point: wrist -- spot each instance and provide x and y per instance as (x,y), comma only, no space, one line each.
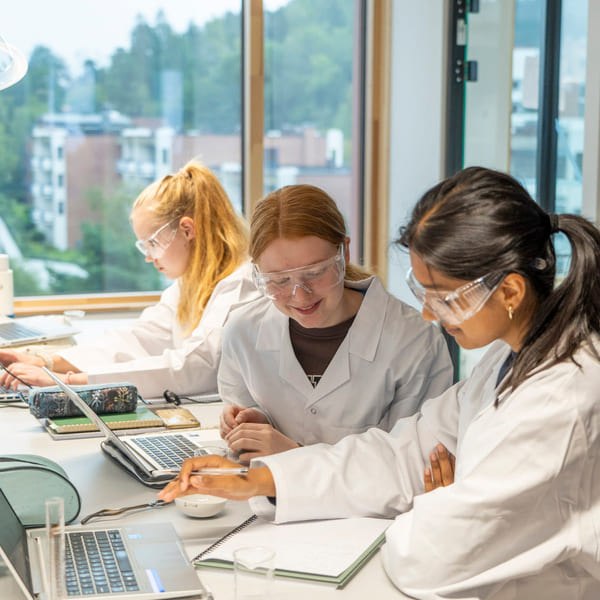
(262,481)
(45,360)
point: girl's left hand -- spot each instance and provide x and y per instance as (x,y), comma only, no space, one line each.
(441,472)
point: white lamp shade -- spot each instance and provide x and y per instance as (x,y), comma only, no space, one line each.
(13,65)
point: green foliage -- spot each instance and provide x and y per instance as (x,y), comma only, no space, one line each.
(25,283)
(108,251)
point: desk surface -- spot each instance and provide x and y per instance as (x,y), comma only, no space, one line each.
(102,484)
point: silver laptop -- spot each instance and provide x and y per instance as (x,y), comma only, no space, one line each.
(156,457)
(144,562)
(30,330)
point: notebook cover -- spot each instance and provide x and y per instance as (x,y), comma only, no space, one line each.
(331,534)
(142,417)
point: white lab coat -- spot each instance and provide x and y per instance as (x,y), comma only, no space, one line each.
(153,355)
(522,519)
(389,362)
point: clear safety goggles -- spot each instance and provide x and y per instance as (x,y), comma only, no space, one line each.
(454,307)
(152,247)
(318,277)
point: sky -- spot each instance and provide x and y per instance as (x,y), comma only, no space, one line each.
(81,29)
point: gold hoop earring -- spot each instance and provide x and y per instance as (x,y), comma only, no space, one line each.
(510,312)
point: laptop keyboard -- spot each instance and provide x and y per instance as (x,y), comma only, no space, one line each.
(97,563)
(168,451)
(16,331)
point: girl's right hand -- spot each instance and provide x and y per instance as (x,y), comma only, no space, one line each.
(227,420)
(29,374)
(232,416)
(258,482)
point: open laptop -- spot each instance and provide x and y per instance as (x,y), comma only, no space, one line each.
(145,562)
(31,330)
(154,459)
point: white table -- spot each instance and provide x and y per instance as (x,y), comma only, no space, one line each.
(103,484)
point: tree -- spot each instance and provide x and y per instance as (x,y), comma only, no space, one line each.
(108,251)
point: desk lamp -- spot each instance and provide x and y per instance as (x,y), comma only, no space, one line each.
(13,65)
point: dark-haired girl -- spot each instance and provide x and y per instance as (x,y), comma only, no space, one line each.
(522,518)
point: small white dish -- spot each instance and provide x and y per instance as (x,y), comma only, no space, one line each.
(200,505)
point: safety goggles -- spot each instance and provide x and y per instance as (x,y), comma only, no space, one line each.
(318,277)
(454,307)
(152,247)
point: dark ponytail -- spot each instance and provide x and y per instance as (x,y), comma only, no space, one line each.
(481,221)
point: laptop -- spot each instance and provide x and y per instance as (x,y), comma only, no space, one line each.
(31,330)
(145,562)
(154,459)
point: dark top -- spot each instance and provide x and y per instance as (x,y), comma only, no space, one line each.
(505,368)
(315,347)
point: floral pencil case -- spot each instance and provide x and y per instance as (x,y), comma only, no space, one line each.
(103,399)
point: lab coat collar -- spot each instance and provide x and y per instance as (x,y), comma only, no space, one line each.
(362,340)
(366,331)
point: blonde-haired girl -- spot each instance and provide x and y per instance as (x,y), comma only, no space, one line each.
(187,227)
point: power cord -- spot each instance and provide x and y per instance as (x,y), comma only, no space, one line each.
(176,399)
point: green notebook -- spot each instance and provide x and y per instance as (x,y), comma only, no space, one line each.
(330,551)
(142,417)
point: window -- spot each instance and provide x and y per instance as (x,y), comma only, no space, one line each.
(97,118)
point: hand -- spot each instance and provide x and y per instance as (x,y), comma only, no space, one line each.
(258,482)
(8,357)
(251,440)
(28,373)
(441,472)
(233,415)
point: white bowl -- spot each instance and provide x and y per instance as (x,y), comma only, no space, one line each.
(200,505)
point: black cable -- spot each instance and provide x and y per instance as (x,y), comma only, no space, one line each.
(176,399)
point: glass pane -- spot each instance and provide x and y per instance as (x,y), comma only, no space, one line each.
(311,93)
(569,125)
(111,102)
(525,101)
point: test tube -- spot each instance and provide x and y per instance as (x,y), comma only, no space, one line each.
(55,530)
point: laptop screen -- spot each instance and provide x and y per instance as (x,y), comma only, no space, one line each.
(13,540)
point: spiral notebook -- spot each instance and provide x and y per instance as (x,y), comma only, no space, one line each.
(330,551)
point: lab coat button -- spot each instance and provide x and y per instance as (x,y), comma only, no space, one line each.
(313,410)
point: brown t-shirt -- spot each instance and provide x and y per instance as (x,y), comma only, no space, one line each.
(314,348)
